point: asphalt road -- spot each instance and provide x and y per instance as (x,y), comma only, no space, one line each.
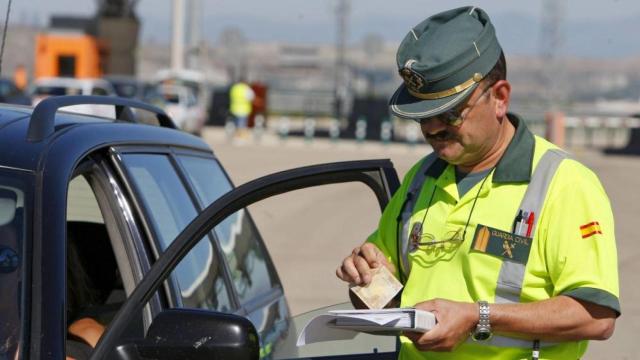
(308,232)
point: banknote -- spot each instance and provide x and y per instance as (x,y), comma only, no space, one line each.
(382,288)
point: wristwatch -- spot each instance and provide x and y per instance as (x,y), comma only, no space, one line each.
(483,329)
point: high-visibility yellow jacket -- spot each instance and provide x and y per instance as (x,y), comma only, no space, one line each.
(241,96)
(571,252)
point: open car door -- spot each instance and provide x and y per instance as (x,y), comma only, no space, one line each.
(195,334)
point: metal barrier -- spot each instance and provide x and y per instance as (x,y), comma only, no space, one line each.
(598,131)
(587,131)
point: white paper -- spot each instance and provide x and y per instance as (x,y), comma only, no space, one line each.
(319,329)
(327,327)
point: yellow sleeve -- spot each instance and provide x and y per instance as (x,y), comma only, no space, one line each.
(579,235)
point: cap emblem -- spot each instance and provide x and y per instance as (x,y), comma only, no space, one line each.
(412,79)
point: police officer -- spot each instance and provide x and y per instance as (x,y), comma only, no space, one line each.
(501,234)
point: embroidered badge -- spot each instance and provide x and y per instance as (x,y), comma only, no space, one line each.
(502,244)
(590,229)
(412,79)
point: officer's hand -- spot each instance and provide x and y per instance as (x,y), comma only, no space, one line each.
(455,320)
(356,268)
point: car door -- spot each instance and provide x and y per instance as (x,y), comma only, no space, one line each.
(169,186)
(377,175)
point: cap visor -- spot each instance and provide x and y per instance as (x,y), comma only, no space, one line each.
(407,106)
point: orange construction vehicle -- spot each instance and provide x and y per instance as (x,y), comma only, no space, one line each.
(69,55)
(89,47)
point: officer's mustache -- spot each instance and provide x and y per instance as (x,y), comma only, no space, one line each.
(441,136)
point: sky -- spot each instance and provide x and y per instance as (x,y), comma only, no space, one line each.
(611,23)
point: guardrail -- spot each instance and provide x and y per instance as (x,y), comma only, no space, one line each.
(586,131)
(598,131)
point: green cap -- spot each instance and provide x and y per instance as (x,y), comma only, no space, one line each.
(442,60)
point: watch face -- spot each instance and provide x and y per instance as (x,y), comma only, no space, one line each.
(482,335)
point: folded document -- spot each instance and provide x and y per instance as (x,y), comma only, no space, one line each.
(345,324)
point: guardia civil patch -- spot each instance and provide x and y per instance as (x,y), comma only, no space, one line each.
(502,244)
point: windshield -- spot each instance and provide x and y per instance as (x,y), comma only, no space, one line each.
(128,90)
(12,240)
(56,90)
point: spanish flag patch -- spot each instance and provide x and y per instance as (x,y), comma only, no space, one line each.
(590,229)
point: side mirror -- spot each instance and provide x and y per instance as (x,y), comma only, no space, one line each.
(194,334)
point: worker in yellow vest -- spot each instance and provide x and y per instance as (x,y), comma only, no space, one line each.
(241,97)
(499,233)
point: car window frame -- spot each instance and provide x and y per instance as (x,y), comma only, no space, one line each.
(170,293)
(120,221)
(242,197)
(255,303)
(238,307)
(150,236)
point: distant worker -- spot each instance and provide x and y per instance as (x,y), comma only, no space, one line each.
(241,97)
(20,77)
(507,240)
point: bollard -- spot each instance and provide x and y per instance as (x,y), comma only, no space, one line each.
(591,124)
(230,129)
(571,124)
(334,130)
(386,131)
(411,134)
(283,127)
(361,129)
(258,127)
(613,124)
(309,129)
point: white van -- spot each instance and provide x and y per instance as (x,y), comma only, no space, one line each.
(57,86)
(181,104)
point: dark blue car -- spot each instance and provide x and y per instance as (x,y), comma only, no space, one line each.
(139,228)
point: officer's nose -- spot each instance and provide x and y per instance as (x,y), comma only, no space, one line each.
(432,125)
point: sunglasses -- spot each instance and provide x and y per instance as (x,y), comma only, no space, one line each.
(428,242)
(455,117)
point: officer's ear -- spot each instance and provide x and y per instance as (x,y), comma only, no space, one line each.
(501,92)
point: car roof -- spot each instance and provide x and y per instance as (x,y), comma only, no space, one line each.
(75,135)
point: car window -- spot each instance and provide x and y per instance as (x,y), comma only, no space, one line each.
(199,275)
(251,270)
(126,90)
(82,204)
(171,98)
(54,90)
(207,177)
(99,91)
(191,99)
(12,238)
(94,285)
